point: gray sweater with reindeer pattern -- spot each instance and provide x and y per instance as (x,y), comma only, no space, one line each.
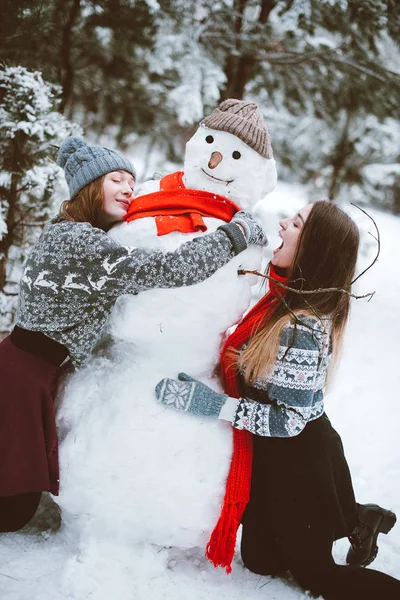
(75,273)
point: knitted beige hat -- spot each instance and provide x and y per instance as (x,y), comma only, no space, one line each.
(243,119)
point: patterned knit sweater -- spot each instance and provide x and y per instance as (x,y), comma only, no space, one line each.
(282,404)
(75,273)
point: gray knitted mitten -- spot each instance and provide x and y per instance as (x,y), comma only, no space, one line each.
(190,395)
(253,232)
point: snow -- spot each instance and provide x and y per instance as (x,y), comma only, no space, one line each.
(197,77)
(28,105)
(153,5)
(363,406)
(3,224)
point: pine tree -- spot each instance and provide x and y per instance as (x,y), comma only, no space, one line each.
(153,68)
(328,64)
(95,50)
(30,127)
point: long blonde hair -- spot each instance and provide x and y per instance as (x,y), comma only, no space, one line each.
(325,257)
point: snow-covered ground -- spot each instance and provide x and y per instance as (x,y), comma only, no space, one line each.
(362,405)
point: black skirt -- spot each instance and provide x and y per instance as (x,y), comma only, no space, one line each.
(303,482)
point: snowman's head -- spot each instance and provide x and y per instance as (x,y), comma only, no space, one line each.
(231,155)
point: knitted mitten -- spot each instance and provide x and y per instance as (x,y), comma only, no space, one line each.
(253,232)
(190,395)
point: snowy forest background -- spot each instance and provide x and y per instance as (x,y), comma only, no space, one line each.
(140,74)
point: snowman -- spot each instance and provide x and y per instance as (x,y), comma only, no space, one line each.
(129,467)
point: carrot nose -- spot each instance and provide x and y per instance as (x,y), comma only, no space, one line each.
(215,159)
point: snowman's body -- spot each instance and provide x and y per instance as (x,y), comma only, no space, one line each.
(128,464)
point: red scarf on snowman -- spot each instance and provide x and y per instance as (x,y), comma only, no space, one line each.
(221,546)
(178,208)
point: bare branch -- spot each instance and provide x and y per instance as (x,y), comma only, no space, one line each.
(9,293)
(295,58)
(298,321)
(24,188)
(362,69)
(4,574)
(310,306)
(305,292)
(378,240)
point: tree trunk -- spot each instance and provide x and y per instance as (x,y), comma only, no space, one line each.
(67,72)
(342,151)
(240,65)
(396,196)
(231,63)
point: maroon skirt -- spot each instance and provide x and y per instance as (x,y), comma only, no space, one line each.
(29,371)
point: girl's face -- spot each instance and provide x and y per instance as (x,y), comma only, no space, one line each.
(118,194)
(290,232)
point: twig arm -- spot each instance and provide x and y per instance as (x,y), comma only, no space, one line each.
(305,292)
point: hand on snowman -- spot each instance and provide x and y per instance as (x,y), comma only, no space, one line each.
(190,395)
(252,230)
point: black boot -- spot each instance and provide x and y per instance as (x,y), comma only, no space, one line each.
(372,520)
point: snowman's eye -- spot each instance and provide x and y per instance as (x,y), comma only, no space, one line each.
(209,139)
(236,155)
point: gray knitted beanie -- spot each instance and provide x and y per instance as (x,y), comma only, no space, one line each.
(243,119)
(83,164)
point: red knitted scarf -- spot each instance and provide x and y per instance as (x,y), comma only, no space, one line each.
(221,546)
(177,208)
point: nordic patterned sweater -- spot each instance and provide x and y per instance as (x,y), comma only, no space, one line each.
(75,273)
(281,405)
